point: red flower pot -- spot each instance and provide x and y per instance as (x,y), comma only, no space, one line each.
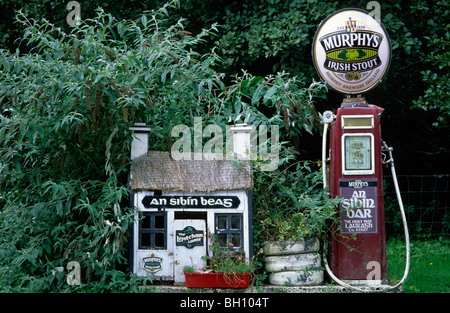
(217,280)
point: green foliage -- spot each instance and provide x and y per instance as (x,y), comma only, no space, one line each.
(276,35)
(273,36)
(420,41)
(256,30)
(437,94)
(291,204)
(268,36)
(188,269)
(225,259)
(65,143)
(66,108)
(429,265)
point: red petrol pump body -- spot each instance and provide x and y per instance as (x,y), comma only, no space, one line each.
(358,244)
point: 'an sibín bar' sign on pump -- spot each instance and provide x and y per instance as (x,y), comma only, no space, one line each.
(351,51)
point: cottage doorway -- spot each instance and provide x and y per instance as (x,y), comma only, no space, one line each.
(190,245)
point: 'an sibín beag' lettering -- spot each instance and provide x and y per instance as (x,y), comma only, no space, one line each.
(191,202)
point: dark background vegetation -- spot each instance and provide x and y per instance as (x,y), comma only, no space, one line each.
(264,37)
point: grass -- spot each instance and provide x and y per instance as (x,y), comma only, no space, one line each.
(429,265)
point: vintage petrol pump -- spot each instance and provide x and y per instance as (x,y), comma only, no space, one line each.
(356,175)
(352,53)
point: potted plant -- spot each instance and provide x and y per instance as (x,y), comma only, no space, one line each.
(226,268)
(291,256)
(292,213)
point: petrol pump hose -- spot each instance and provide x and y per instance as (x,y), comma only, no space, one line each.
(402,211)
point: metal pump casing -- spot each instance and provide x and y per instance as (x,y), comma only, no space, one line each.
(354,257)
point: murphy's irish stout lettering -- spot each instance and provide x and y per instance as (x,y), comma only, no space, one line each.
(351,51)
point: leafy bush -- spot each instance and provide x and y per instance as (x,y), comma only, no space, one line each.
(66,109)
(65,112)
(65,142)
(291,204)
(224,259)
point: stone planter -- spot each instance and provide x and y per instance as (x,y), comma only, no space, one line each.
(295,263)
(291,247)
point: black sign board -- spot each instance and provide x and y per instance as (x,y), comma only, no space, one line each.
(191,202)
(189,237)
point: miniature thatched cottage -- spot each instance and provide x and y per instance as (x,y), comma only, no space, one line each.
(180,201)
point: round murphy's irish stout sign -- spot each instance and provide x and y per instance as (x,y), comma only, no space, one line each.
(351,51)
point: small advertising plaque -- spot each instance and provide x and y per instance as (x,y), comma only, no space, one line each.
(358,210)
(152,264)
(189,237)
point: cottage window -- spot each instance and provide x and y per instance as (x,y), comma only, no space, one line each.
(152,231)
(229,228)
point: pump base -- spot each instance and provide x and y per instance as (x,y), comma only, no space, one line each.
(364,282)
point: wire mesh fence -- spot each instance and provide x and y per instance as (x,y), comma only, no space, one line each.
(426,202)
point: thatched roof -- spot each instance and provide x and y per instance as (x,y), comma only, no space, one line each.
(156,170)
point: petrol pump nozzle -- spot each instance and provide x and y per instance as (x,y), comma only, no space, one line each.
(385,148)
(328,116)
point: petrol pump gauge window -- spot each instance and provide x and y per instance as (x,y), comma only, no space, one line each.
(358,152)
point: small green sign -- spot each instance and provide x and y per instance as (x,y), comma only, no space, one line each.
(189,237)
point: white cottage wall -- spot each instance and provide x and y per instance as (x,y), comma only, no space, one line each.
(161,262)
